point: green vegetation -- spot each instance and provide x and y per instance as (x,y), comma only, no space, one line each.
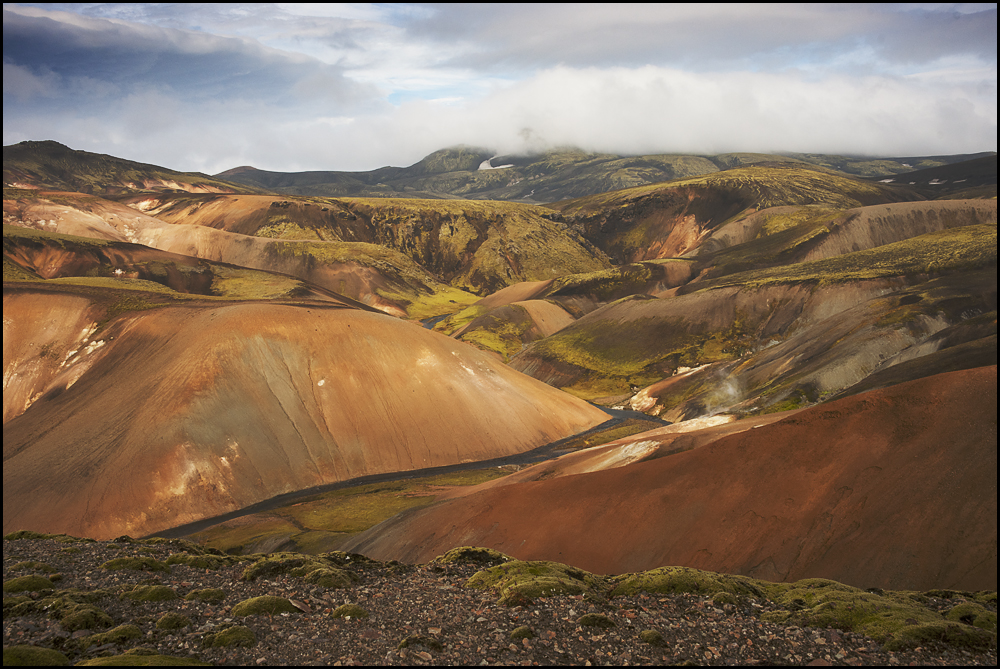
(150,593)
(626,429)
(200,561)
(27,584)
(116,635)
(595,620)
(33,656)
(208,595)
(237,635)
(516,582)
(265,604)
(349,611)
(652,637)
(474,555)
(132,658)
(136,564)
(964,248)
(172,621)
(899,619)
(522,632)
(324,522)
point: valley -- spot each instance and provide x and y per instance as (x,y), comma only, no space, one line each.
(802,353)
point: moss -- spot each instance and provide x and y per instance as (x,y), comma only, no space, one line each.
(27,584)
(32,565)
(420,640)
(130,659)
(671,580)
(172,621)
(238,635)
(116,635)
(208,595)
(349,611)
(971,613)
(331,578)
(522,632)
(473,555)
(952,634)
(517,582)
(33,656)
(84,617)
(652,637)
(199,561)
(136,564)
(265,604)
(595,620)
(151,593)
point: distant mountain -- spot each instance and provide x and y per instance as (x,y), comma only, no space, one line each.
(53,166)
(476,173)
(968,179)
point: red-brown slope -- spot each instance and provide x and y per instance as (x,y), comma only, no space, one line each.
(894,488)
(184,413)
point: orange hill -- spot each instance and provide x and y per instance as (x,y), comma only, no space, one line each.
(894,488)
(180,413)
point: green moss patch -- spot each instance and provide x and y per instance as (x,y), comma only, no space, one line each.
(172,621)
(31,583)
(349,611)
(117,635)
(136,564)
(32,656)
(84,617)
(522,632)
(974,614)
(151,593)
(652,637)
(238,635)
(595,620)
(200,561)
(473,555)
(208,595)
(420,640)
(673,580)
(331,577)
(517,582)
(32,565)
(129,659)
(265,604)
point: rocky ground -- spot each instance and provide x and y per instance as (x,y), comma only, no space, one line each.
(94,600)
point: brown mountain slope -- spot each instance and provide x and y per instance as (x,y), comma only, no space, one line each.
(892,488)
(181,413)
(473,245)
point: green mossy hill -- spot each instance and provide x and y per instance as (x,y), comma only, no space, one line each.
(899,619)
(75,609)
(209,595)
(473,555)
(956,249)
(27,584)
(139,659)
(349,611)
(172,621)
(136,564)
(33,565)
(202,561)
(237,635)
(33,656)
(516,582)
(116,635)
(317,570)
(54,166)
(265,604)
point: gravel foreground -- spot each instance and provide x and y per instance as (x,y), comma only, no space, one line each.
(416,615)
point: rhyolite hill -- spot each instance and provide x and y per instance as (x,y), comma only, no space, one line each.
(176,348)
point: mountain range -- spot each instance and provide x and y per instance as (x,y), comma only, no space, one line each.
(781,366)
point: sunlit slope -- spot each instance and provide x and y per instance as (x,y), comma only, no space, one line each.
(890,489)
(476,246)
(370,273)
(172,414)
(760,336)
(53,166)
(31,254)
(674,218)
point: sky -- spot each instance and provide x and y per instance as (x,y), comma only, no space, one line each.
(291,87)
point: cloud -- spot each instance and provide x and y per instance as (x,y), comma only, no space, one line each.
(209,87)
